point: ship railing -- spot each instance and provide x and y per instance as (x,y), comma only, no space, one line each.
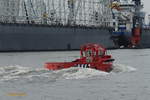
(48,21)
(146,27)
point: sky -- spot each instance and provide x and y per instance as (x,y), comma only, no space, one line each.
(146,8)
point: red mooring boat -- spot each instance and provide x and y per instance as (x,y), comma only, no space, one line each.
(92,56)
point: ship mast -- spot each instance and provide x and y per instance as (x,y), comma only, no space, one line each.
(138,17)
(9,10)
(71,6)
(31,2)
(26,12)
(63,12)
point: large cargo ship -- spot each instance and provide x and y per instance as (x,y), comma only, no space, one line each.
(66,24)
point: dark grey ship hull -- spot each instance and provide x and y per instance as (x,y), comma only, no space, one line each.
(145,39)
(22,37)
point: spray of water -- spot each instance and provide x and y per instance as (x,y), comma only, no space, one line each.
(16,72)
(19,72)
(119,68)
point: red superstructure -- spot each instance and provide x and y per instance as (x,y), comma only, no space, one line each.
(92,56)
(136,36)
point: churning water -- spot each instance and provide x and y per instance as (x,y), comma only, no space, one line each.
(18,72)
(22,77)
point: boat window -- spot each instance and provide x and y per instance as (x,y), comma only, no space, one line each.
(100,53)
(83,54)
(106,53)
(94,53)
(88,53)
(88,56)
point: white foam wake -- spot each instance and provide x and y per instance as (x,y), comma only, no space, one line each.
(19,72)
(80,73)
(117,68)
(15,72)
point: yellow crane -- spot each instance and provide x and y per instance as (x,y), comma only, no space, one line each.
(115,5)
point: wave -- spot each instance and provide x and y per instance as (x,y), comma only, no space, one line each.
(15,72)
(118,68)
(20,72)
(80,73)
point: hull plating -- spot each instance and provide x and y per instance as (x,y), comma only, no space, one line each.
(15,37)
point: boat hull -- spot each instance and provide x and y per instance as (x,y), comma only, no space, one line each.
(24,37)
(16,37)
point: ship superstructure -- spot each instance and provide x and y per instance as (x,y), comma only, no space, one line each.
(65,12)
(66,24)
(128,19)
(9,10)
